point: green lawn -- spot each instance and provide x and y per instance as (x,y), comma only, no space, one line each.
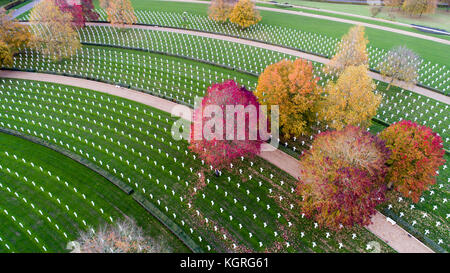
(182,80)
(46,181)
(4,2)
(134,143)
(438,20)
(429,50)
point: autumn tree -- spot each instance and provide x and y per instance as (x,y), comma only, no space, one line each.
(402,64)
(293,86)
(342,178)
(76,11)
(120,12)
(245,14)
(351,100)
(104,4)
(80,13)
(211,137)
(54,34)
(124,236)
(14,34)
(350,51)
(5,55)
(88,9)
(417,154)
(393,3)
(419,7)
(219,10)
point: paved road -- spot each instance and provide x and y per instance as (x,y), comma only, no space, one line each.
(347,21)
(394,235)
(311,57)
(22,10)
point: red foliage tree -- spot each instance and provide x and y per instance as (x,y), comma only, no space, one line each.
(217,149)
(417,154)
(342,177)
(88,10)
(78,19)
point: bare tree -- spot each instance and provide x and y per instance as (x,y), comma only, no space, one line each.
(400,63)
(125,236)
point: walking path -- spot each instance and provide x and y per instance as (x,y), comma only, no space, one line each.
(414,88)
(17,12)
(354,15)
(341,20)
(393,235)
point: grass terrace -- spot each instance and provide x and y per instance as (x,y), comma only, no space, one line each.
(45,205)
(182,80)
(248,206)
(313,35)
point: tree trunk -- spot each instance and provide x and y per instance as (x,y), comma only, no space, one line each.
(389,85)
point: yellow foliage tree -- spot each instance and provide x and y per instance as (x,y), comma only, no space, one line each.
(12,33)
(244,14)
(54,34)
(293,87)
(350,51)
(393,3)
(351,100)
(419,7)
(5,55)
(120,12)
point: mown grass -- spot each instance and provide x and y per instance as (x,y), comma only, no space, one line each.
(183,80)
(95,188)
(429,50)
(432,20)
(69,122)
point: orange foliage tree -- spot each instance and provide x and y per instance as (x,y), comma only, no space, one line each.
(351,100)
(417,154)
(351,50)
(120,12)
(293,86)
(342,177)
(244,14)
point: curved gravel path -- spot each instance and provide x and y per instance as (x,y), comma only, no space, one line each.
(393,235)
(311,57)
(341,20)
